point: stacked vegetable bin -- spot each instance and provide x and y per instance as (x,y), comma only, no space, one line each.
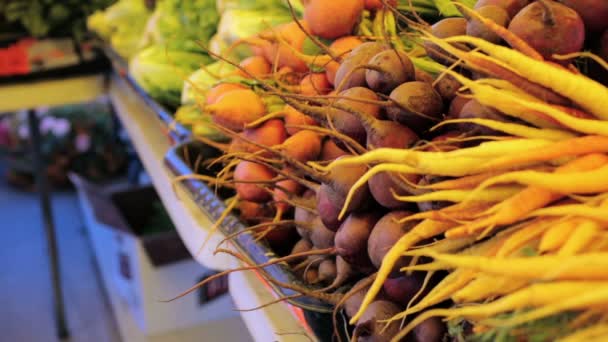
(405,161)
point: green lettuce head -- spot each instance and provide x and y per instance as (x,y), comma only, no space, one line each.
(181,23)
(161,72)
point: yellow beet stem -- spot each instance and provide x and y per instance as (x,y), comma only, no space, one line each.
(459,277)
(516,129)
(590,266)
(589,295)
(443,246)
(486,286)
(587,126)
(507,212)
(469,57)
(505,101)
(557,235)
(585,182)
(404,169)
(424,230)
(454,163)
(532,296)
(571,147)
(594,331)
(582,236)
(317,60)
(494,194)
(505,86)
(523,236)
(454,213)
(494,148)
(593,213)
(588,94)
(429,266)
(465,182)
(423,287)
(379,155)
(452,167)
(506,76)
(526,201)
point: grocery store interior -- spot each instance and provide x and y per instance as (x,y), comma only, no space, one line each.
(304,170)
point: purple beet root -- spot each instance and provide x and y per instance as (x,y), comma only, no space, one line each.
(370,328)
(351,238)
(385,234)
(430,330)
(512,6)
(403,288)
(593,12)
(550,28)
(328,208)
(381,184)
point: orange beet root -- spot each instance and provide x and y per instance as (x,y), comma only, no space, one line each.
(237,108)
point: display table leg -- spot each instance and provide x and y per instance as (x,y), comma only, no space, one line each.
(49,226)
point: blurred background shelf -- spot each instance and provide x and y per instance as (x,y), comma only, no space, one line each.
(69,85)
(51,92)
(148,132)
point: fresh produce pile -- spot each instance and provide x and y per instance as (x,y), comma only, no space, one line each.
(122,25)
(239,20)
(437,169)
(160,45)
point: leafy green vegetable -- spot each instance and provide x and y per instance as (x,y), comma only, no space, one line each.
(310,48)
(41,18)
(528,251)
(179,24)
(428,65)
(542,330)
(224,5)
(447,8)
(161,72)
(122,24)
(434,8)
(456,330)
(200,122)
(200,81)
(238,24)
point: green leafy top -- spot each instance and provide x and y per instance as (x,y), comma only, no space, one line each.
(181,23)
(41,18)
(161,72)
(541,330)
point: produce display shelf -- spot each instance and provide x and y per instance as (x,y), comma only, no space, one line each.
(184,160)
(147,137)
(180,159)
(176,131)
(271,323)
(281,320)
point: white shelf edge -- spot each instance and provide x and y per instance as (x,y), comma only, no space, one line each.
(147,134)
(276,322)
